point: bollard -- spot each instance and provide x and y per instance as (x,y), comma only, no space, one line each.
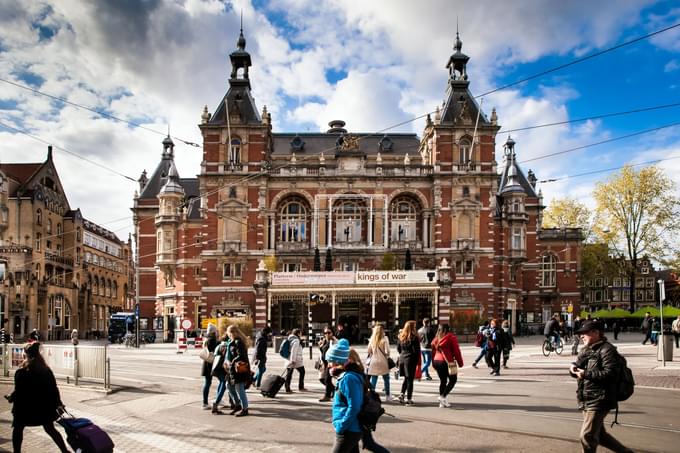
(107,374)
(75,371)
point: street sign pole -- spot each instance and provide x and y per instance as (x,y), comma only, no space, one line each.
(662,296)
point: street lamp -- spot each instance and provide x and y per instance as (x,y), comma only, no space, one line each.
(312,297)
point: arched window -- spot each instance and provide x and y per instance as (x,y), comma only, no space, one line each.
(404,219)
(292,221)
(67,316)
(38,217)
(349,217)
(38,239)
(49,226)
(78,234)
(114,290)
(95,286)
(58,229)
(107,293)
(548,270)
(235,152)
(464,151)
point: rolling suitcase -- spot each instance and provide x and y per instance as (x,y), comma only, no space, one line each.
(271,384)
(84,436)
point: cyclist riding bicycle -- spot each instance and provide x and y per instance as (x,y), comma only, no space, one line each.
(552,329)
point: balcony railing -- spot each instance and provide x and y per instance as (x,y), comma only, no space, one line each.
(292,246)
(232,246)
(464,244)
(66,261)
(411,245)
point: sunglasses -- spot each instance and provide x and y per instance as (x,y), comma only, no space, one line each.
(327,333)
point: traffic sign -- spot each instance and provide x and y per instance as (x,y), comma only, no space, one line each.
(187,324)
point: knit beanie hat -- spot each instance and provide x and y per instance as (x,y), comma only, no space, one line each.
(339,352)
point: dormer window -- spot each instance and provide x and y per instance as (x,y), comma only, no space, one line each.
(297,144)
(385,144)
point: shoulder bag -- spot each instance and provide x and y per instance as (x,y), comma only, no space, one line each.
(390,362)
(206,355)
(453,365)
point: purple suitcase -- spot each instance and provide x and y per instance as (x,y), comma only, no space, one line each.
(91,439)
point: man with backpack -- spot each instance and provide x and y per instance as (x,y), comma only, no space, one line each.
(599,370)
(426,334)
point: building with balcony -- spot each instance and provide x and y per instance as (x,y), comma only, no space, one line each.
(55,269)
(243,236)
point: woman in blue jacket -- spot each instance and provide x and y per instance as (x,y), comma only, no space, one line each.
(349,397)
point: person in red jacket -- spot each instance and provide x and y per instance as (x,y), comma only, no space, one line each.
(445,348)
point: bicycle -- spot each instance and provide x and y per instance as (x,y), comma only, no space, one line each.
(550,345)
(130,341)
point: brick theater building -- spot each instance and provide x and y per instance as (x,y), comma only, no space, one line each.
(382,227)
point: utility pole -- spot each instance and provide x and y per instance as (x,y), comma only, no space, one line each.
(136,261)
(662,336)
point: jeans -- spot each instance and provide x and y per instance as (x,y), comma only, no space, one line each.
(347,442)
(259,373)
(386,383)
(427,360)
(594,434)
(482,353)
(221,387)
(446,382)
(237,391)
(370,444)
(289,377)
(207,380)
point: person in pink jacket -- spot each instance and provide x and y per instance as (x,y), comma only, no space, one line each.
(445,349)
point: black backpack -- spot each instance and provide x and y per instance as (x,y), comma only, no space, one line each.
(625,384)
(371,408)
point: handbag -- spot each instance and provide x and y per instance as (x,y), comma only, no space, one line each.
(390,362)
(242,367)
(318,365)
(453,365)
(206,355)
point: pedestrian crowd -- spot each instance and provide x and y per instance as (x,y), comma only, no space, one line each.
(350,381)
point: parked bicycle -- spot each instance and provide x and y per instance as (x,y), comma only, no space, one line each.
(130,340)
(552,345)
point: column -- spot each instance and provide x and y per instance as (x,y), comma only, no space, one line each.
(435,305)
(373,308)
(396,308)
(329,224)
(424,230)
(370,226)
(271,223)
(333,308)
(385,222)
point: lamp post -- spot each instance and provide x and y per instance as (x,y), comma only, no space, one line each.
(310,331)
(662,296)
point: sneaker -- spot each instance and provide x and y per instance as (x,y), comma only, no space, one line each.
(206,406)
(474,365)
(393,398)
(428,378)
(497,373)
(444,402)
(410,403)
(242,413)
(492,371)
(441,404)
(400,398)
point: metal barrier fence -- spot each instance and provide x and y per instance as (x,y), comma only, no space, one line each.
(88,363)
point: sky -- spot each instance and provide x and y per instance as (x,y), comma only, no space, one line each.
(373,64)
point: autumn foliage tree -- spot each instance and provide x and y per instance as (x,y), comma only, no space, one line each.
(568,213)
(637,212)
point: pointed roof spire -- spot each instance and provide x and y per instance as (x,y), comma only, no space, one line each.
(241,43)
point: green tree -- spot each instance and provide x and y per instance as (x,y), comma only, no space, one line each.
(637,213)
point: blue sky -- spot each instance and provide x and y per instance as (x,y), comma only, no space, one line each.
(372,64)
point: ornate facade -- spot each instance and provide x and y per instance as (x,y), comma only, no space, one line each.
(246,237)
(52,281)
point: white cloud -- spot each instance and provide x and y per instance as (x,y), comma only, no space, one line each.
(672,65)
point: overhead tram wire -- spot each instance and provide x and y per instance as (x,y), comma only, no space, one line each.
(580,60)
(594,117)
(90,109)
(609,140)
(85,159)
(605,170)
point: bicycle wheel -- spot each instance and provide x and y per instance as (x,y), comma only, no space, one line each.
(559,347)
(546,348)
